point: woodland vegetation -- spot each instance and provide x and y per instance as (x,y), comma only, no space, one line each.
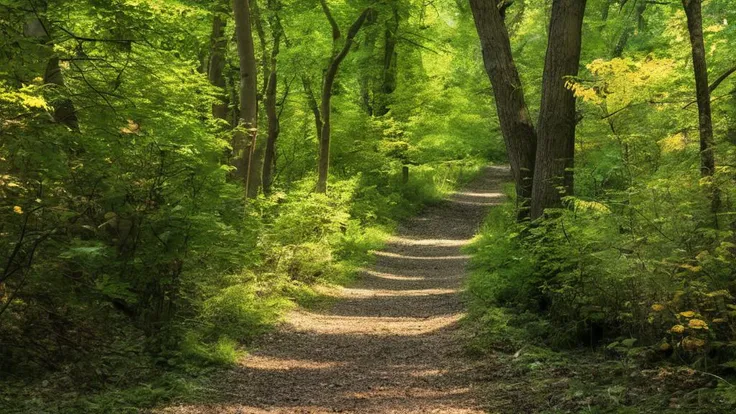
(175,174)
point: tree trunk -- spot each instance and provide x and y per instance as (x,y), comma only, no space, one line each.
(244,142)
(367,74)
(313,106)
(700,67)
(261,34)
(329,81)
(388,72)
(556,126)
(271,113)
(38,27)
(64,111)
(216,65)
(516,124)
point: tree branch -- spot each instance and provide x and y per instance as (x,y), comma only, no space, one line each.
(333,23)
(335,64)
(716,83)
(721,78)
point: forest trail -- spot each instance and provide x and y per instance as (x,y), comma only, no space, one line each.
(390,342)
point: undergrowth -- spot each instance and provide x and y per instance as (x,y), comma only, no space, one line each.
(274,257)
(622,305)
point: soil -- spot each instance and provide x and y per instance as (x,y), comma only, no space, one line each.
(390,343)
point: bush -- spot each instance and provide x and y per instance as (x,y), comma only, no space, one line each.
(643,264)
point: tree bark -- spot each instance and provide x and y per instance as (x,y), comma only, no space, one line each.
(244,142)
(367,75)
(257,19)
(513,114)
(271,113)
(313,106)
(38,27)
(216,64)
(388,72)
(556,126)
(329,81)
(700,68)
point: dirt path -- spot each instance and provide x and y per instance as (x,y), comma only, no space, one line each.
(389,344)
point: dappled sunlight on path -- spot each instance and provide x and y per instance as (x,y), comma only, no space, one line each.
(389,343)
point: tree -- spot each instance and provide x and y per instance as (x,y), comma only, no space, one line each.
(244,139)
(538,158)
(693,11)
(39,27)
(389,66)
(557,120)
(367,76)
(338,55)
(516,124)
(270,99)
(216,64)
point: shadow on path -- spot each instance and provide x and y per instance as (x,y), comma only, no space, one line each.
(388,345)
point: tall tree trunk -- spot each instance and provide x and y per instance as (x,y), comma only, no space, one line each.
(64,111)
(313,106)
(700,67)
(233,94)
(261,33)
(556,126)
(216,65)
(516,124)
(38,27)
(244,142)
(367,75)
(328,83)
(271,113)
(388,72)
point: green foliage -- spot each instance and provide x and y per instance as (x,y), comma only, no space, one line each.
(129,251)
(637,261)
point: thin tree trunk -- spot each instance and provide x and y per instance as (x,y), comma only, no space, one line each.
(513,114)
(244,144)
(367,75)
(700,68)
(329,81)
(388,72)
(64,111)
(216,65)
(261,33)
(38,27)
(233,94)
(556,126)
(271,113)
(313,106)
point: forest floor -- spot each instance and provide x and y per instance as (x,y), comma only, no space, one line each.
(388,343)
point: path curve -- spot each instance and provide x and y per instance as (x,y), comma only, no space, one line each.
(389,343)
